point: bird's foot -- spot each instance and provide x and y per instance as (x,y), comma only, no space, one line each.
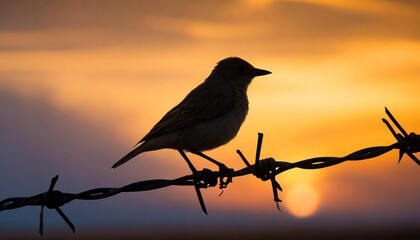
(224,178)
(207,177)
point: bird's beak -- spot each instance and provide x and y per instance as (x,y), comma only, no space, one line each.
(260,72)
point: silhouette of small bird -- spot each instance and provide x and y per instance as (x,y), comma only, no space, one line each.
(208,117)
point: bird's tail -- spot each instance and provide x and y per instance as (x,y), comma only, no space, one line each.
(129,156)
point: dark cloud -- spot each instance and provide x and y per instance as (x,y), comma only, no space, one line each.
(287,23)
(99,23)
(294,20)
(408,3)
(102,14)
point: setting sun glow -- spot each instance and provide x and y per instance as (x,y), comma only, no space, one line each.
(302,201)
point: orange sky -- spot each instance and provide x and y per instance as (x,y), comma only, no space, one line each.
(120,65)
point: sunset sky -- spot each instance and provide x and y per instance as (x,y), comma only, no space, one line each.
(82,81)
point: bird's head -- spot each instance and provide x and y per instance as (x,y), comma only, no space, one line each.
(237,71)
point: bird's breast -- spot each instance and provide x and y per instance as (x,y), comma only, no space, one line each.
(242,103)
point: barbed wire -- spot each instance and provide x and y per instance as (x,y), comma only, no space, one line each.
(264,169)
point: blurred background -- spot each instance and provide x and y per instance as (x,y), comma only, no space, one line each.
(82,81)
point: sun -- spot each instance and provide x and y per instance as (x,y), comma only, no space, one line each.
(302,201)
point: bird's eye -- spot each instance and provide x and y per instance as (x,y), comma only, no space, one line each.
(242,70)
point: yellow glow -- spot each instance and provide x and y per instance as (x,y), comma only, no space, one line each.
(302,201)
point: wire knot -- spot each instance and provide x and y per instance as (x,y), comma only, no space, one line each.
(412,143)
(51,199)
(207,178)
(264,169)
(224,178)
(407,143)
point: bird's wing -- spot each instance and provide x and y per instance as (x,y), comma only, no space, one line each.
(200,104)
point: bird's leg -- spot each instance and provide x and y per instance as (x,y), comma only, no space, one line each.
(219,164)
(222,168)
(193,169)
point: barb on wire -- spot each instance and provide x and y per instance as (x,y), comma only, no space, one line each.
(264,169)
(196,183)
(406,141)
(51,203)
